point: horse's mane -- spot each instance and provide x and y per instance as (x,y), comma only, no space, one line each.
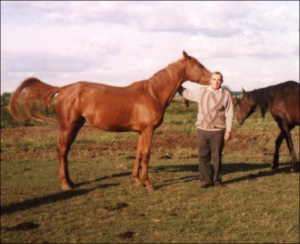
(163,77)
(261,97)
(160,79)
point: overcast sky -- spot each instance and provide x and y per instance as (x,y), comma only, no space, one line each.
(254,44)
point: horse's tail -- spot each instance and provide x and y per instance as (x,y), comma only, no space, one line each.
(30,98)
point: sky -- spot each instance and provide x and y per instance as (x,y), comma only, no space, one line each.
(254,44)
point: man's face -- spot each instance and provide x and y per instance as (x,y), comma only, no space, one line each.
(215,81)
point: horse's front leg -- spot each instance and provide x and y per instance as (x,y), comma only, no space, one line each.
(136,167)
(146,147)
(143,154)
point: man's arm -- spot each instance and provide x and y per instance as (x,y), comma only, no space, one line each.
(191,95)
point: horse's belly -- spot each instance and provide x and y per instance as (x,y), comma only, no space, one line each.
(111,127)
(111,123)
(121,116)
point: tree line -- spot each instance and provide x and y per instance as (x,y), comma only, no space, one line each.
(7,121)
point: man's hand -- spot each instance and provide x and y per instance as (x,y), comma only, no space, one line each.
(227,136)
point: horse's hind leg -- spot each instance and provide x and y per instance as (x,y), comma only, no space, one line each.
(276,153)
(290,146)
(285,133)
(68,134)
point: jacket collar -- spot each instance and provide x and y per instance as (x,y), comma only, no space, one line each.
(219,90)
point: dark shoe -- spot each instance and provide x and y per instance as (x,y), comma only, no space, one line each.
(205,185)
(218,184)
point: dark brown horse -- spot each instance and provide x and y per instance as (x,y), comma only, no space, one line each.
(235,101)
(139,107)
(282,101)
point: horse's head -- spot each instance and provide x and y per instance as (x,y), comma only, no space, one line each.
(236,101)
(195,71)
(247,107)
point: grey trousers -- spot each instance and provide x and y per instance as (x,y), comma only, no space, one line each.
(210,147)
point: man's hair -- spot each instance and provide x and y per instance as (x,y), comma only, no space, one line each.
(217,73)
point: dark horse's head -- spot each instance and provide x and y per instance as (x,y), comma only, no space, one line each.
(247,107)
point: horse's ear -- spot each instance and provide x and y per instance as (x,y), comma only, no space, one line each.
(243,91)
(185,55)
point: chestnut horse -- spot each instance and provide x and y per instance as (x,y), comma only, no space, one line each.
(282,101)
(139,107)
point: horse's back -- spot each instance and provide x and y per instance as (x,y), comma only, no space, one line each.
(82,91)
(83,96)
(107,107)
(289,87)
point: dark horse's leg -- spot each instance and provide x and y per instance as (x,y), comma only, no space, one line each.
(290,145)
(143,154)
(285,134)
(68,133)
(276,154)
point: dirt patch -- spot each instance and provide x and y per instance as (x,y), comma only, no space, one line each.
(240,141)
(168,141)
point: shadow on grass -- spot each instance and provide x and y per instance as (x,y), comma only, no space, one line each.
(227,169)
(61,196)
(52,198)
(103,178)
(270,172)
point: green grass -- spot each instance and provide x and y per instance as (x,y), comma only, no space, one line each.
(262,210)
(257,204)
(29,143)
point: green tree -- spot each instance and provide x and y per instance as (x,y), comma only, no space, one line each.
(5,99)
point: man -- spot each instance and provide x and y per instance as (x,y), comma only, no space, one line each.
(214,124)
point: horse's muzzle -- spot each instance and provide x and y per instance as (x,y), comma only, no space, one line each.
(239,120)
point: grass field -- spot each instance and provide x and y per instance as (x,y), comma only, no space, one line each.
(257,204)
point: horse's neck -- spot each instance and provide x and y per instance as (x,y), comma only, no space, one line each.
(165,84)
(261,98)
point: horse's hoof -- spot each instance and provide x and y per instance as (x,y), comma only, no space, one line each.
(66,187)
(292,171)
(139,184)
(274,166)
(150,188)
